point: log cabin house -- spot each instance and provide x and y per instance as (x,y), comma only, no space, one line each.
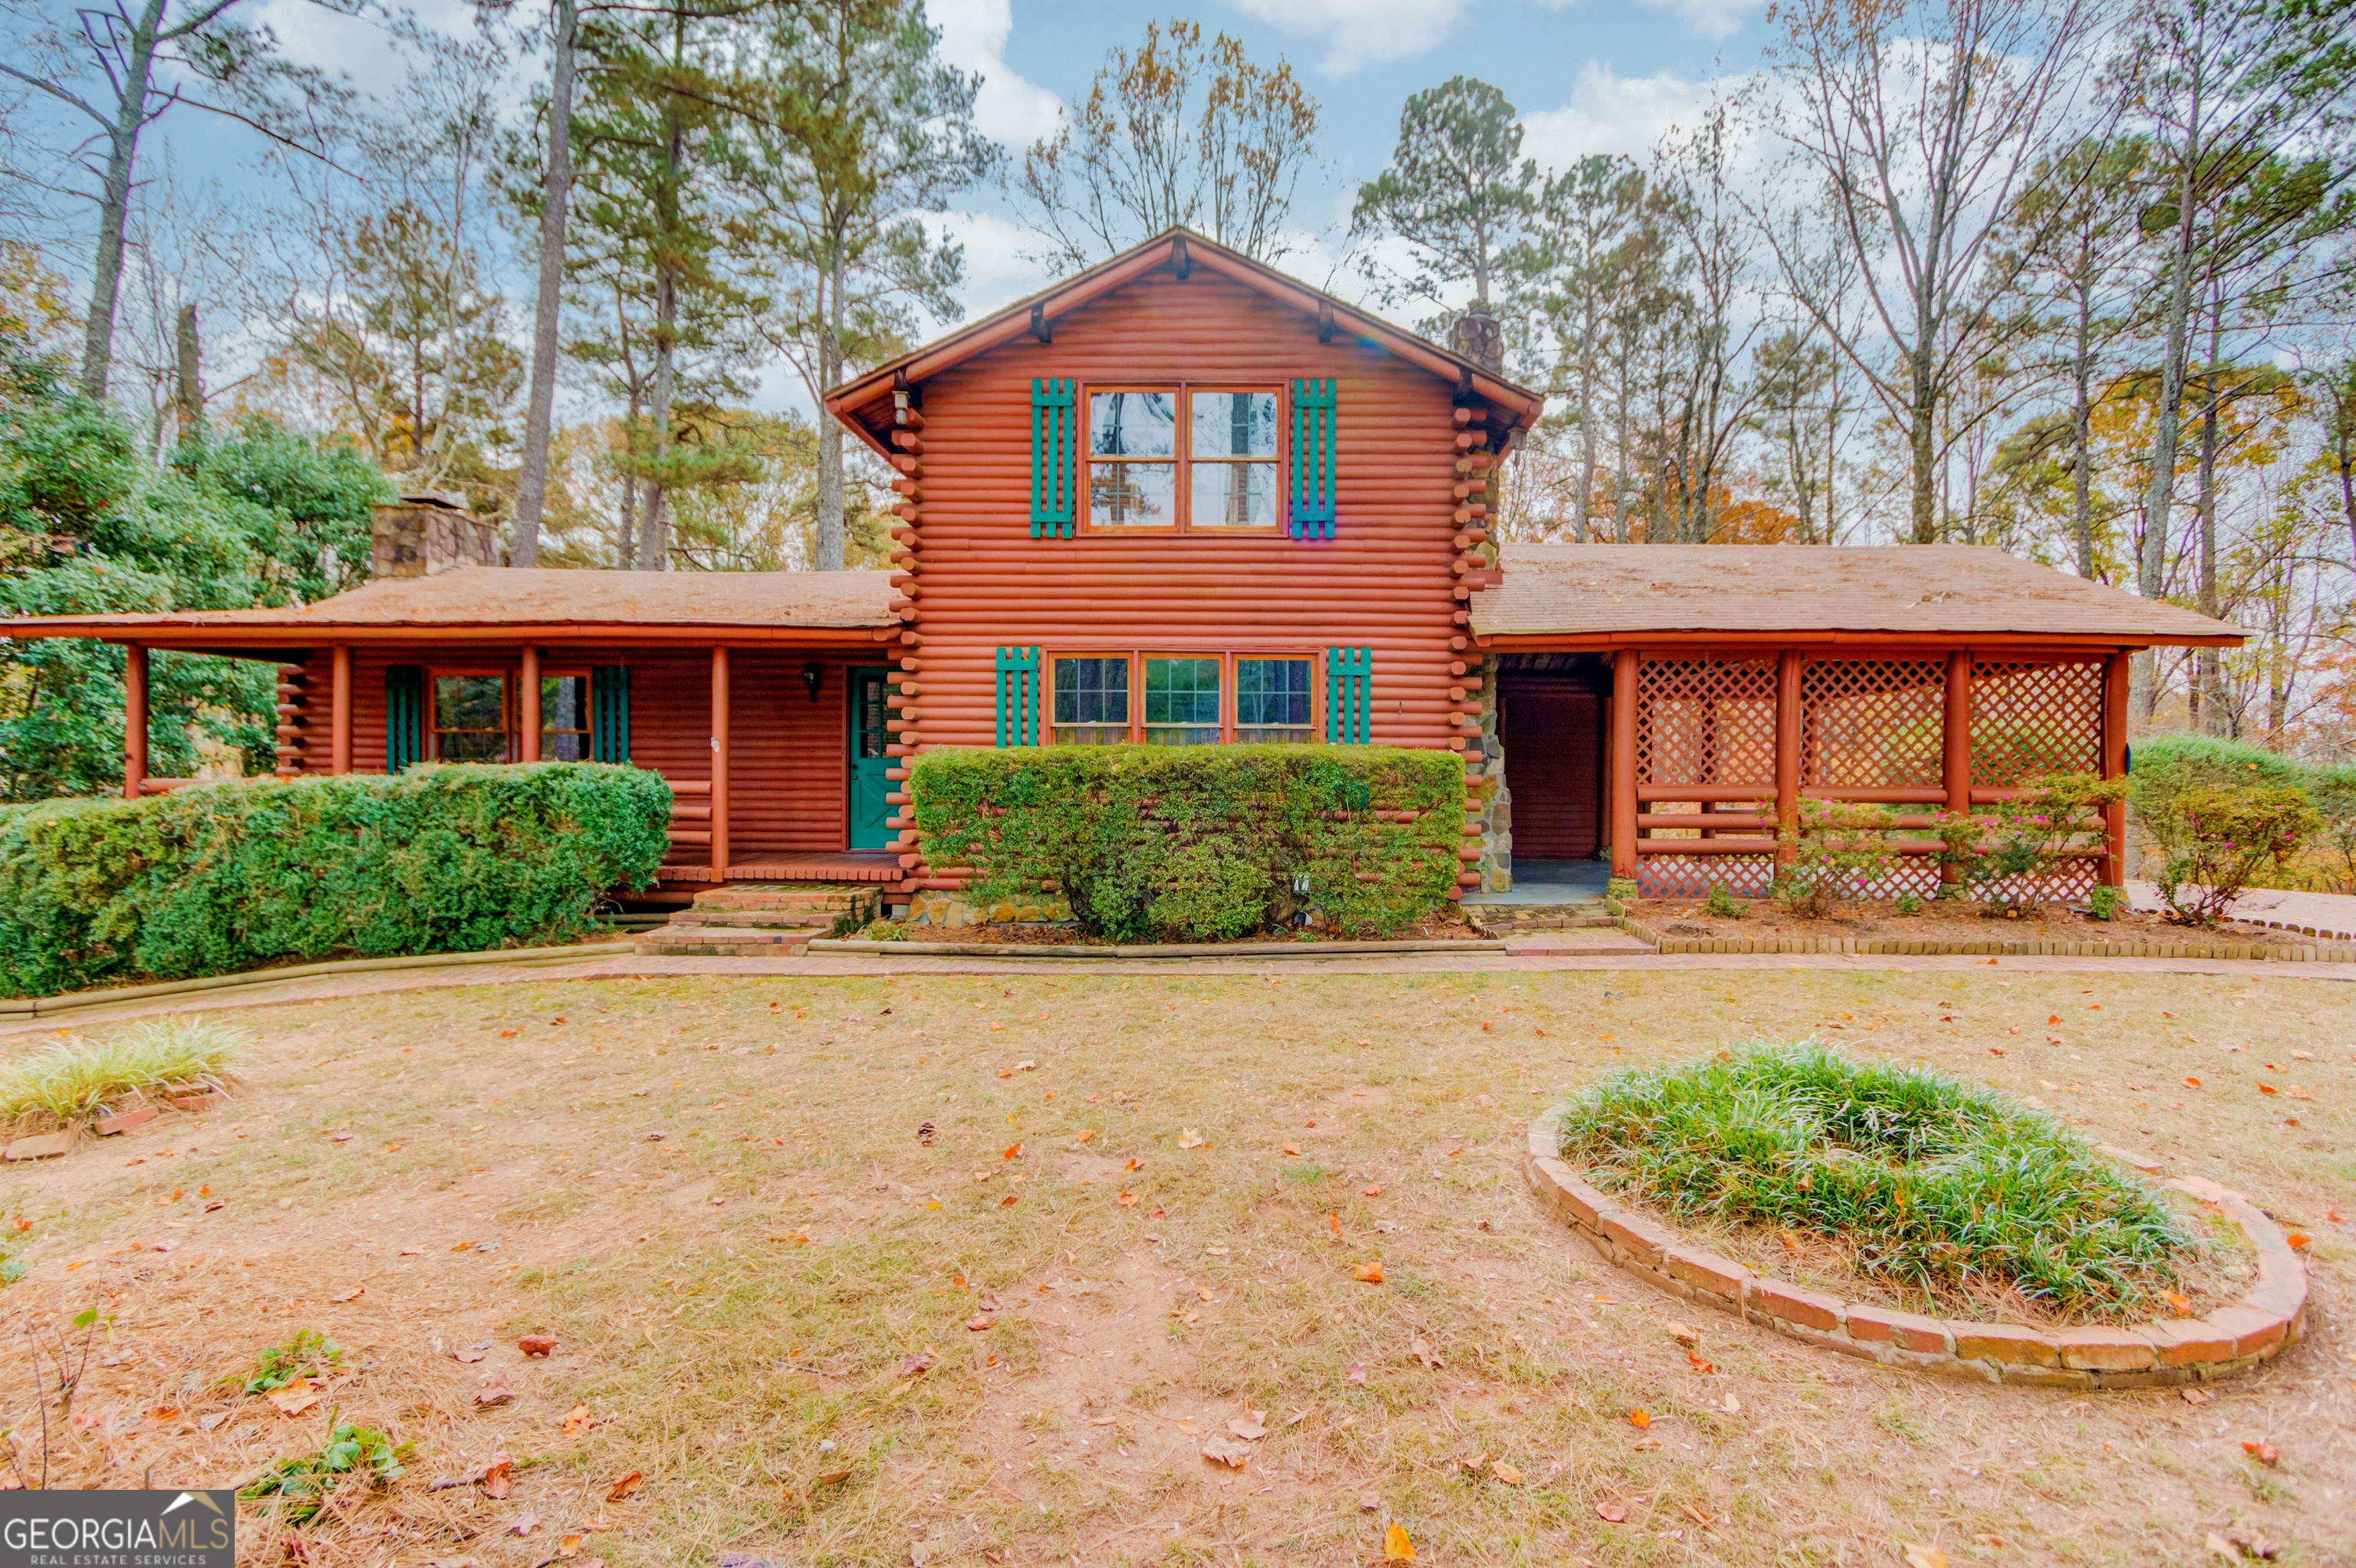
(1181,498)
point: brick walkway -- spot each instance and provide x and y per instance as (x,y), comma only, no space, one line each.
(2324,914)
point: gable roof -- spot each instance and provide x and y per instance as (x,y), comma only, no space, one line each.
(513,599)
(1179,248)
(1601,590)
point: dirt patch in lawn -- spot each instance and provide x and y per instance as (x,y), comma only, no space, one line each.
(1940,921)
(779,1313)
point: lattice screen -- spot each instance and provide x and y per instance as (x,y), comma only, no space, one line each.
(1691,876)
(2029,720)
(1706,721)
(1873,723)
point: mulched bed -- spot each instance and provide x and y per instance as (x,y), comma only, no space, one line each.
(1445,926)
(1940,922)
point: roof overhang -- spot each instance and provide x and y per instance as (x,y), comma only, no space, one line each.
(855,403)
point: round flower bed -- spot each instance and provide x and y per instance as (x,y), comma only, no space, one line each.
(1933,1189)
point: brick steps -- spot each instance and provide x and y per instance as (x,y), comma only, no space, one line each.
(688,940)
(808,898)
(1510,919)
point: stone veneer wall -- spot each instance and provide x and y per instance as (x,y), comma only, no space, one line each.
(1496,813)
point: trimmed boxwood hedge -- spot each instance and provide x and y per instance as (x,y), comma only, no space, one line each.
(216,878)
(1200,843)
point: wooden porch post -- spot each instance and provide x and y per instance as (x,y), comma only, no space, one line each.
(2114,765)
(134,721)
(1623,762)
(528,743)
(719,762)
(1955,774)
(1787,750)
(339,712)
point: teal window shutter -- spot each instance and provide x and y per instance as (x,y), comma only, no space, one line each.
(1055,455)
(1349,696)
(404,716)
(609,713)
(1018,697)
(1313,459)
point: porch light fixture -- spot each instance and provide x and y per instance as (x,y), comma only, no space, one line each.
(810,674)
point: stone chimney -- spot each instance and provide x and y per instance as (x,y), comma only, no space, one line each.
(1476,335)
(420,535)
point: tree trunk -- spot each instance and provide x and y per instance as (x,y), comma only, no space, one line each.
(1584,513)
(556,197)
(654,550)
(2151,576)
(2081,440)
(115,201)
(830,439)
(627,554)
(1922,414)
(2208,682)
(188,394)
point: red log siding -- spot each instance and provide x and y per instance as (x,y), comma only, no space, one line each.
(1553,736)
(1384,581)
(788,756)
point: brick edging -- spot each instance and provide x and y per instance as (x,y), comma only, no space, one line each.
(2007,947)
(2143,1355)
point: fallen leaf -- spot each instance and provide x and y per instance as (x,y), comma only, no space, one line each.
(1247,1428)
(1356,1373)
(1731,1405)
(1925,1557)
(1085,1135)
(2268,1089)
(1370,1272)
(1227,1451)
(1473,1465)
(1292,1149)
(1189,1139)
(524,1526)
(1134,1165)
(2298,1239)
(1700,1518)
(829,1478)
(1422,1351)
(1334,1219)
(1640,1419)
(623,1487)
(496,1389)
(577,1421)
(295,1398)
(2191,1082)
(1370,1192)
(982,1323)
(2264,1453)
(469,1356)
(2196,1396)
(1507,1474)
(1011,1151)
(1684,1334)
(536,1344)
(1007,1202)
(352,1294)
(1612,1513)
(1397,1547)
(918,1364)
(1126,1200)
(497,1477)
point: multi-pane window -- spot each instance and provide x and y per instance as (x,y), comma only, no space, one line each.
(1182,701)
(1221,475)
(1091,701)
(564,718)
(470,718)
(1132,460)
(1231,453)
(1272,699)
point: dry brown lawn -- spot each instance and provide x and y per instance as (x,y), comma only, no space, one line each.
(721,1198)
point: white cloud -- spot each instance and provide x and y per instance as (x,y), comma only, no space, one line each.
(996,273)
(1707,18)
(1609,112)
(355,45)
(1361,32)
(1009,110)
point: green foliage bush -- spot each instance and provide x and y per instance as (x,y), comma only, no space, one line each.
(1932,1181)
(212,878)
(1200,843)
(1841,849)
(2215,842)
(2008,852)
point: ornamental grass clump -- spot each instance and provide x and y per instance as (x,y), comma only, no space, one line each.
(74,1081)
(1931,1183)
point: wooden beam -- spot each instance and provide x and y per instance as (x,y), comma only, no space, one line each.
(1623,762)
(339,712)
(2114,765)
(719,761)
(1955,771)
(528,741)
(134,721)
(1788,739)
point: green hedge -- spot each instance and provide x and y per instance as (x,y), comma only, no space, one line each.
(1200,843)
(216,878)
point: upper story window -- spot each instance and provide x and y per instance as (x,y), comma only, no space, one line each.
(1181,458)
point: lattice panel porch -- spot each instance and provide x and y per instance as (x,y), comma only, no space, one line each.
(1692,876)
(1872,724)
(1706,721)
(2030,720)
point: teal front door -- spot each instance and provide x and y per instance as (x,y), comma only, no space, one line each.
(868,787)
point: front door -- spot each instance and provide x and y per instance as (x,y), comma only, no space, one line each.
(868,787)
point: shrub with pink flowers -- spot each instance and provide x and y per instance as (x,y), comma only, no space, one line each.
(2010,854)
(2214,841)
